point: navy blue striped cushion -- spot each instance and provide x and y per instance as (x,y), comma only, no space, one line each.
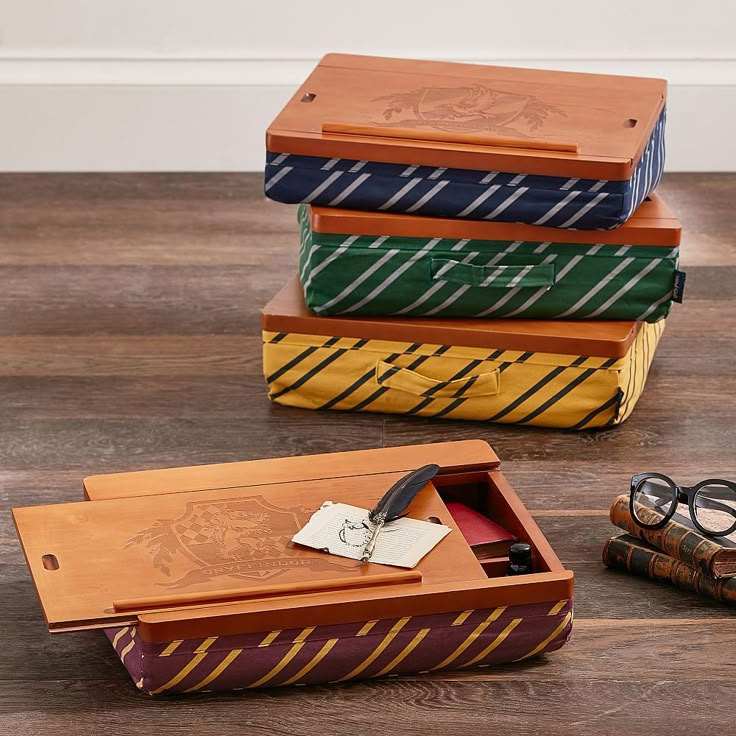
(584,204)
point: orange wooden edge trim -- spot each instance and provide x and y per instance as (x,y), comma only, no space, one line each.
(449,137)
(266,591)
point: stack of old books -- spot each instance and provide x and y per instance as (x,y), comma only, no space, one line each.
(677,553)
(476,242)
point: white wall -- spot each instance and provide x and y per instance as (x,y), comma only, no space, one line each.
(125,85)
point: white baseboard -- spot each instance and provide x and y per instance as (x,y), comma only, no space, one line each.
(211,114)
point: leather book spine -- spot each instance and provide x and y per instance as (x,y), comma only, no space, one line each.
(628,554)
(673,539)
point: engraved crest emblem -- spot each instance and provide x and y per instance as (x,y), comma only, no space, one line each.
(470,108)
(241,538)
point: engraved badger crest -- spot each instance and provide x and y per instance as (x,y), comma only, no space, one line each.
(469,108)
(242,538)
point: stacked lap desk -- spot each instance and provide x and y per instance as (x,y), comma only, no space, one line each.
(191,574)
(451,193)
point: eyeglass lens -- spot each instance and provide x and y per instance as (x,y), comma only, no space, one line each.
(653,499)
(715,508)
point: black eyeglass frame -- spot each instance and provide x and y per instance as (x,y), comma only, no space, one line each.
(682,494)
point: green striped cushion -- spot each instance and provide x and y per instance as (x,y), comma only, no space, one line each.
(368,275)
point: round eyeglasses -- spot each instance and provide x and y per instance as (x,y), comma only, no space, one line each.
(711,503)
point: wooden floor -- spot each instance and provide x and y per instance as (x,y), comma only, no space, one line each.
(129,338)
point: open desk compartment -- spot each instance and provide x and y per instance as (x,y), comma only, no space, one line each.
(192,575)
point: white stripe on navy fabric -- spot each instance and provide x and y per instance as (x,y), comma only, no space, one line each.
(421,202)
(357,167)
(569,184)
(517,180)
(627,286)
(489,177)
(280,159)
(437,173)
(396,197)
(479,200)
(556,208)
(598,185)
(276,177)
(601,284)
(336,254)
(326,183)
(506,203)
(329,164)
(387,282)
(408,171)
(598,198)
(349,190)
(387,256)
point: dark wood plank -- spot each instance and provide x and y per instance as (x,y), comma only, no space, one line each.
(129,338)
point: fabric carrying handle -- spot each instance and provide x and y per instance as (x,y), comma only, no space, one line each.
(540,275)
(411,382)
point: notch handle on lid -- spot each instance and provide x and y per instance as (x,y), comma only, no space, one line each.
(443,136)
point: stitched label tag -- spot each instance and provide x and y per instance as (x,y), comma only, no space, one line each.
(679,289)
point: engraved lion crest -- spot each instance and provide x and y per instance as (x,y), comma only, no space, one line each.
(236,538)
(469,108)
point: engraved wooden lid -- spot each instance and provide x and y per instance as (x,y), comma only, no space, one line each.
(169,551)
(287,312)
(470,116)
(653,223)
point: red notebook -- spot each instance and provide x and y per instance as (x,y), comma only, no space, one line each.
(485,537)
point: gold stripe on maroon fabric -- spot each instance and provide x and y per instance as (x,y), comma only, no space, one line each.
(494,644)
(557,607)
(479,629)
(321,654)
(231,656)
(171,648)
(392,634)
(565,621)
(405,652)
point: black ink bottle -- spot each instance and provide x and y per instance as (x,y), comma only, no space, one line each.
(520,559)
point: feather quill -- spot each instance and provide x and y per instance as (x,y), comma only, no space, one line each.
(396,501)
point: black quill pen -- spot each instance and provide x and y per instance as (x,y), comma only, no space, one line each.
(395,502)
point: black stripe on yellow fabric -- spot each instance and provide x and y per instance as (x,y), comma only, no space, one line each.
(629,381)
(559,395)
(460,374)
(599,410)
(278,338)
(363,379)
(464,388)
(414,364)
(298,359)
(314,371)
(537,386)
(392,370)
(457,402)
(528,394)
(617,413)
